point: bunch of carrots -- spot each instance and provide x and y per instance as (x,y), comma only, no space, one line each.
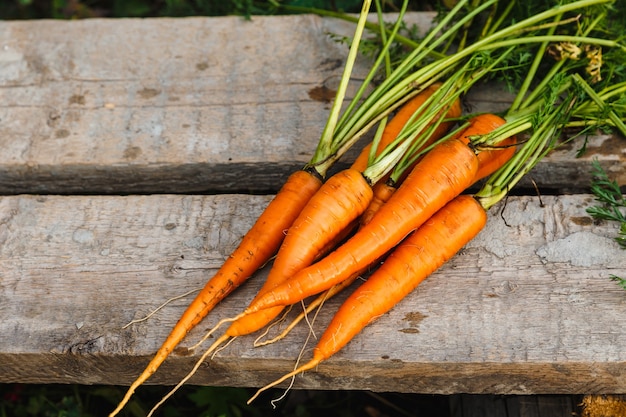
(400,210)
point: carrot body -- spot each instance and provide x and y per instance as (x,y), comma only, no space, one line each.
(328,213)
(441,175)
(255,249)
(400,119)
(419,255)
(489,160)
(383,190)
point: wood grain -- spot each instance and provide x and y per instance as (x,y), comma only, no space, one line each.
(527,307)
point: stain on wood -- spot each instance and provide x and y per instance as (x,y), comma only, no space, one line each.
(147,93)
(77,99)
(322,93)
(414,318)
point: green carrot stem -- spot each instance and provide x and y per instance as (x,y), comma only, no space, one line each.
(325,142)
(371,26)
(542,140)
(523,91)
(617,121)
(383,56)
(553,38)
(433,71)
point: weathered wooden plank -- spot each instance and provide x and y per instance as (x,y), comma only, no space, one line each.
(524,308)
(186,105)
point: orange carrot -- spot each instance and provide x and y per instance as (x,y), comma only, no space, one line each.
(255,249)
(419,255)
(383,190)
(263,243)
(447,170)
(329,212)
(307,237)
(290,258)
(326,215)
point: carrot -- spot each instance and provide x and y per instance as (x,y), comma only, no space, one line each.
(321,223)
(428,247)
(490,158)
(443,173)
(329,211)
(255,249)
(420,254)
(382,191)
(268,232)
(384,188)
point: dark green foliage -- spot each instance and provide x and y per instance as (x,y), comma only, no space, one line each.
(22,400)
(609,195)
(80,9)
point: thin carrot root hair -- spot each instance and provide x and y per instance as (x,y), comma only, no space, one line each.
(221,343)
(307,366)
(281,320)
(317,303)
(159,308)
(214,329)
(297,369)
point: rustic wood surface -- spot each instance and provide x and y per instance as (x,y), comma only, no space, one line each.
(104,108)
(187,105)
(524,308)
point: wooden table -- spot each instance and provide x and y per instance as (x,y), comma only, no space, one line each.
(136,153)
